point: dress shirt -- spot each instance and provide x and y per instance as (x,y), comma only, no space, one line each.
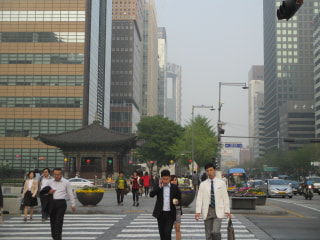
(61,188)
(166,198)
(30,184)
(45,182)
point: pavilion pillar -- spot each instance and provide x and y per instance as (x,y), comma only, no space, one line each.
(104,169)
(116,163)
(78,165)
(66,170)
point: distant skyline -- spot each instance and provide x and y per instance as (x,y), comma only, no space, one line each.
(214,42)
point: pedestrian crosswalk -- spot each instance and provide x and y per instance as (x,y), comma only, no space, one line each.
(137,226)
(144,227)
(76,226)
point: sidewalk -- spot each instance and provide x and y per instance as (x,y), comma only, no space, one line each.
(108,205)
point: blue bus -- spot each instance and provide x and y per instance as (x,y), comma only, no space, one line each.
(237,176)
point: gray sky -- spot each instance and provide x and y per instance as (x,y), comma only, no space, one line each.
(214,41)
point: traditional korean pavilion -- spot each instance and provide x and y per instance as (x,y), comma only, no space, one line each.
(91,151)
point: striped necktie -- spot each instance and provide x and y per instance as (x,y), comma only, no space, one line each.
(212,195)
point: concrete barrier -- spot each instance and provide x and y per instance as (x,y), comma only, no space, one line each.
(12,205)
(11,190)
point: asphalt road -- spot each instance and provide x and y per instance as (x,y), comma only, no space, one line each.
(302,221)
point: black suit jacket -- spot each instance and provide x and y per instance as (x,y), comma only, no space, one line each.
(174,193)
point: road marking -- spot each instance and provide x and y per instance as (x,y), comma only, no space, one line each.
(75,227)
(190,229)
(294,213)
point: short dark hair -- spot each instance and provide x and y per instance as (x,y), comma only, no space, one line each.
(120,172)
(173,177)
(146,173)
(46,169)
(165,173)
(34,174)
(57,169)
(209,165)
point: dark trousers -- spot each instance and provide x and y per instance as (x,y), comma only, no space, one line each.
(165,224)
(146,191)
(120,194)
(135,194)
(46,204)
(56,218)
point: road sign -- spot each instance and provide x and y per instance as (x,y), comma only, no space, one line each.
(270,169)
(233,145)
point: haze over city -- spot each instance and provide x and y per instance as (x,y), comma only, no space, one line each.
(214,41)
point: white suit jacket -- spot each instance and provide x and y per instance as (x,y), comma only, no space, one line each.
(220,196)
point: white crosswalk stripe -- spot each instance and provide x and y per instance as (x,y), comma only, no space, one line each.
(144,227)
(75,226)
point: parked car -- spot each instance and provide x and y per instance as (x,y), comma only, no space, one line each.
(277,187)
(294,185)
(316,183)
(80,183)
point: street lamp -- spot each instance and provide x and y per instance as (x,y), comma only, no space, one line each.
(219,124)
(193,107)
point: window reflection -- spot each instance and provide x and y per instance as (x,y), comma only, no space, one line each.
(42,16)
(70,37)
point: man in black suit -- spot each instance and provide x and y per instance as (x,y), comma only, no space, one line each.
(165,210)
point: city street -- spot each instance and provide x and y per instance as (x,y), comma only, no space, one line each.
(281,218)
(302,221)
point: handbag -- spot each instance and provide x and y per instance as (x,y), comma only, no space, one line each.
(22,204)
(230,230)
(127,190)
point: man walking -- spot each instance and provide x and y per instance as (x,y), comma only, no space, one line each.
(45,198)
(60,187)
(213,203)
(168,195)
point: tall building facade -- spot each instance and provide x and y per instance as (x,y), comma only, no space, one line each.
(126,65)
(288,62)
(258,126)
(150,61)
(174,73)
(162,83)
(54,69)
(316,37)
(297,122)
(256,86)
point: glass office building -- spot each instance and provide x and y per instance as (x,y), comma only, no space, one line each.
(288,62)
(53,77)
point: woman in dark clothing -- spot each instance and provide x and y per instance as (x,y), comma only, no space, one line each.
(134,181)
(30,190)
(177,222)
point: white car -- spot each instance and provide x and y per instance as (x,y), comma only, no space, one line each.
(277,187)
(80,183)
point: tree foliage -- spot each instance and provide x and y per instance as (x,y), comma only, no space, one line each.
(160,134)
(295,162)
(204,141)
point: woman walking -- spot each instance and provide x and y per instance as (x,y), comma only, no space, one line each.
(134,181)
(146,184)
(177,223)
(29,194)
(121,186)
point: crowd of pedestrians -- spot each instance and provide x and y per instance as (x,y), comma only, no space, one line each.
(52,192)
(211,198)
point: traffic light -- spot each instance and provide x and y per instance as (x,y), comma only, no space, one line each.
(288,8)
(221,130)
(109,165)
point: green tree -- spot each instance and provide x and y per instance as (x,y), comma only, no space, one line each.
(204,142)
(160,134)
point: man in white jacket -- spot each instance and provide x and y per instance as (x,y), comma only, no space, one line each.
(213,203)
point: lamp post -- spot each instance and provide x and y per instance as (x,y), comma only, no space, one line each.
(219,124)
(192,142)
